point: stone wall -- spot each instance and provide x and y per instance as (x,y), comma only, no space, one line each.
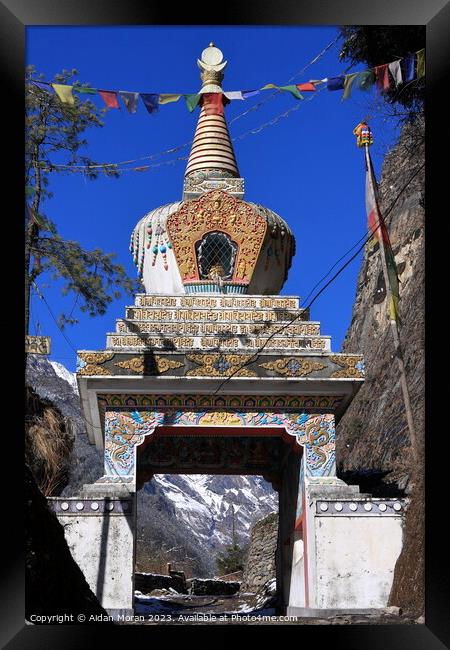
(99,532)
(260,563)
(147,582)
(199,587)
(54,583)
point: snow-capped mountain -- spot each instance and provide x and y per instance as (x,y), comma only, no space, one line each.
(191,510)
(65,374)
(52,381)
(206,503)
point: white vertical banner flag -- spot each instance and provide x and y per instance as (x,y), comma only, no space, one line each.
(396,72)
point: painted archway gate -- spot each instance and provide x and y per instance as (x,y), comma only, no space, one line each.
(126,430)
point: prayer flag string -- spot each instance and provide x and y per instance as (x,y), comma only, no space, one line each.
(385,76)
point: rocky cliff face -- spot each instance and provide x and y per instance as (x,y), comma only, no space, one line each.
(373,434)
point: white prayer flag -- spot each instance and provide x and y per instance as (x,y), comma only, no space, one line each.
(396,72)
(235,94)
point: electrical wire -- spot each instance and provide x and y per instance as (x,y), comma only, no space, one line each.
(41,296)
(300,315)
(367,238)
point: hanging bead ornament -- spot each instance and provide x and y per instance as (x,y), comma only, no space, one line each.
(159,242)
(283,233)
(141,264)
(136,249)
(149,234)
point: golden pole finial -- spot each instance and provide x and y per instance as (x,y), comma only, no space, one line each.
(211,66)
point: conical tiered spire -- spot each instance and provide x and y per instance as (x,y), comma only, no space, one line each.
(212,155)
(212,148)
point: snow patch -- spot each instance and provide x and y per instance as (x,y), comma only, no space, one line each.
(65,374)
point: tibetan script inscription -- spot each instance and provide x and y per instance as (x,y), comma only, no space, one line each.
(138,313)
(216,302)
(220,342)
(214,329)
(136,341)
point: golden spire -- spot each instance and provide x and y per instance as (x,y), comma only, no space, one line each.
(212,149)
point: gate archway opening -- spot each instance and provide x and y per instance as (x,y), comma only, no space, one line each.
(268,452)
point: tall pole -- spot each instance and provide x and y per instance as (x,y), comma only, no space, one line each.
(393,325)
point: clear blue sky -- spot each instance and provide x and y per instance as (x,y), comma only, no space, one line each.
(306,167)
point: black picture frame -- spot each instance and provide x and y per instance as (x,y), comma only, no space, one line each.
(15,16)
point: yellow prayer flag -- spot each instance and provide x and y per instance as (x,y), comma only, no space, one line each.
(269,86)
(421,63)
(64,93)
(166,98)
(393,308)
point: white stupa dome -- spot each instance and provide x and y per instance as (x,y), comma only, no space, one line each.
(212,241)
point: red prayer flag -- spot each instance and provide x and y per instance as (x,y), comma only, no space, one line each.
(306,86)
(109,97)
(375,221)
(377,226)
(213,103)
(382,76)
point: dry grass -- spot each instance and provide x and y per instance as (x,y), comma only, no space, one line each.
(48,444)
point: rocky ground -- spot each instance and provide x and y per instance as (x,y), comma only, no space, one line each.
(167,607)
(178,609)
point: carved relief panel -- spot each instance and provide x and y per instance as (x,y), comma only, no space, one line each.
(217,212)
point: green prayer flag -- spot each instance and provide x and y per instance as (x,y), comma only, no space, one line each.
(85,90)
(392,271)
(290,89)
(421,63)
(348,82)
(192,101)
(293,90)
(365,80)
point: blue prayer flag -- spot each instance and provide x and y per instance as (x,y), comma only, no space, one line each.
(408,67)
(336,83)
(130,100)
(43,86)
(151,101)
(249,93)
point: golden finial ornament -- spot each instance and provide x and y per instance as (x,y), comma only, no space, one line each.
(211,67)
